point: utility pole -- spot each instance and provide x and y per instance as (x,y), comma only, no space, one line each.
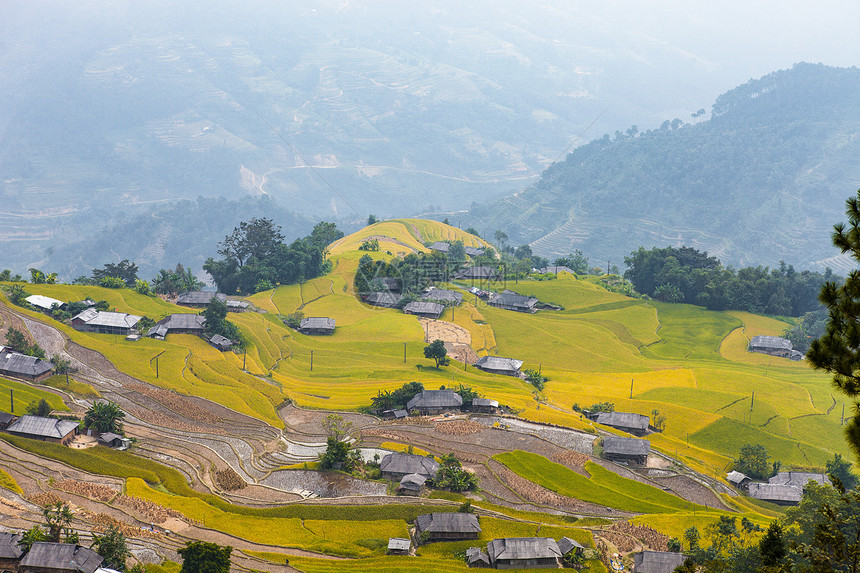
(752,401)
(244,357)
(156,365)
(312,360)
(12,403)
(404,353)
(841,422)
(631,388)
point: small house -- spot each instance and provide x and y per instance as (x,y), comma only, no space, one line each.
(510,300)
(200,299)
(394,414)
(474,251)
(799,479)
(425,309)
(103,322)
(626,450)
(780,494)
(430,402)
(443,296)
(10,551)
(523,553)
(447,526)
(554,270)
(773,345)
(222,343)
(178,323)
(317,325)
(478,273)
(440,246)
(16,365)
(477,558)
(112,440)
(237,305)
(44,429)
(5,420)
(396,466)
(499,365)
(385,299)
(45,557)
(567,545)
(399,546)
(657,561)
(412,484)
(635,424)
(44,303)
(485,405)
(739,480)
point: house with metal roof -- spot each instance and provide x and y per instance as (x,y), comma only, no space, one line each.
(566,545)
(478,273)
(178,323)
(657,561)
(385,299)
(45,557)
(16,365)
(442,296)
(412,484)
(499,365)
(44,303)
(389,283)
(6,419)
(431,402)
(738,479)
(399,546)
(780,494)
(103,322)
(237,305)
(424,309)
(222,343)
(799,479)
(773,345)
(635,424)
(447,526)
(510,300)
(475,557)
(10,551)
(485,405)
(200,299)
(317,325)
(626,450)
(396,466)
(554,270)
(440,246)
(44,429)
(523,553)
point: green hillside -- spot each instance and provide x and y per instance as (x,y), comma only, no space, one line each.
(689,363)
(762,179)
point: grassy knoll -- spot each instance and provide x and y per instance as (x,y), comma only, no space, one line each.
(71,385)
(24,394)
(8,482)
(602,487)
(687,362)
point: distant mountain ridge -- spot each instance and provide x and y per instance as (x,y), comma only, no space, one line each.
(763,179)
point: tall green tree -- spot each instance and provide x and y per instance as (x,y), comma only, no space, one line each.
(436,351)
(111,545)
(124,270)
(205,557)
(58,517)
(105,417)
(838,351)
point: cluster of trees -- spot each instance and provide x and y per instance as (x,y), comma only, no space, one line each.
(177,281)
(111,544)
(809,327)
(16,340)
(820,535)
(255,258)
(453,477)
(397,399)
(415,272)
(687,275)
(216,322)
(753,461)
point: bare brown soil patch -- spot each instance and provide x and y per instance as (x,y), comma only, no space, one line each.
(571,458)
(458,341)
(459,428)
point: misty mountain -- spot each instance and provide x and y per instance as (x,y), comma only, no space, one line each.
(107,108)
(764,178)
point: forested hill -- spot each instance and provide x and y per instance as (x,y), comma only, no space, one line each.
(764,178)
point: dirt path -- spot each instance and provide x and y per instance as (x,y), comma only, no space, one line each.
(457,339)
